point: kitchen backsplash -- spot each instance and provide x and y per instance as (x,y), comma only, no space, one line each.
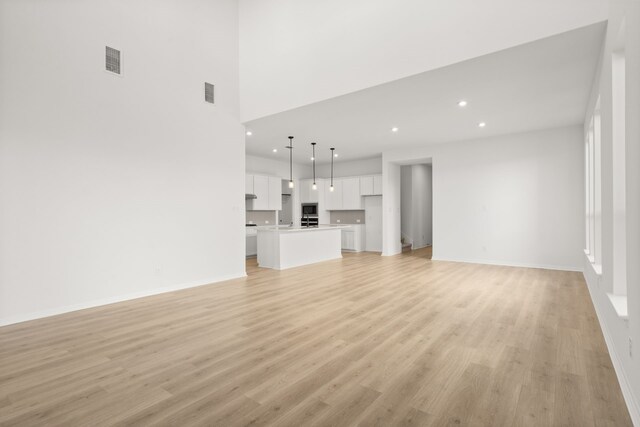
(261,217)
(347,217)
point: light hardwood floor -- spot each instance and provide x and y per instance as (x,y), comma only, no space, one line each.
(366,340)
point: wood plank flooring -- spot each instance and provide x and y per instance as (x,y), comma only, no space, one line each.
(366,340)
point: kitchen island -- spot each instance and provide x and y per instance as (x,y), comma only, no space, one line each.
(286,247)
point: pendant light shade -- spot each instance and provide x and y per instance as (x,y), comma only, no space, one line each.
(290,147)
(313,160)
(332,150)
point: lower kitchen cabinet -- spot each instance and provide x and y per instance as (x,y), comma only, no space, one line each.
(353,238)
(251,242)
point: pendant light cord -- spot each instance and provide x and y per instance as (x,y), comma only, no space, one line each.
(290,159)
(332,166)
(313,146)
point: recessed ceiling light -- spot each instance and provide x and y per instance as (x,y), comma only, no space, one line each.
(313,158)
(462,103)
(482,124)
(249,133)
(335,155)
(394,129)
(275,150)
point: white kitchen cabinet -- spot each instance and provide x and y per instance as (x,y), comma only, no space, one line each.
(377,185)
(366,185)
(371,185)
(275,193)
(353,238)
(348,192)
(324,216)
(252,242)
(307,193)
(333,199)
(261,190)
(248,184)
(268,192)
(348,240)
(351,199)
(304,188)
(317,196)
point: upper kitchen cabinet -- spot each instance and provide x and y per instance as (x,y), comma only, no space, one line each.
(307,193)
(377,185)
(248,184)
(351,199)
(275,193)
(268,192)
(333,199)
(371,185)
(261,190)
(347,194)
(366,185)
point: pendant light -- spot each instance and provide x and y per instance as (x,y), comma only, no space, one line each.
(313,162)
(290,147)
(331,188)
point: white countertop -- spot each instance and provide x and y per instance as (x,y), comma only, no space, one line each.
(287,229)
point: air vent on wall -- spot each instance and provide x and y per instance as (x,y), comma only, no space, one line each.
(208,92)
(112,60)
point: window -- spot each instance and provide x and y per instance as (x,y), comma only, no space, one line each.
(619,178)
(597,182)
(593,190)
(587,199)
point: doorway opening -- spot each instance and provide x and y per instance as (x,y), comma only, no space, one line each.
(373,219)
(416,209)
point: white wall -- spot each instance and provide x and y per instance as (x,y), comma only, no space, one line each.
(372,166)
(275,167)
(116,186)
(296,52)
(514,199)
(617,330)
(391,207)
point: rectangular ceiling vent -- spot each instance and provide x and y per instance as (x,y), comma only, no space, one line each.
(112,60)
(208,92)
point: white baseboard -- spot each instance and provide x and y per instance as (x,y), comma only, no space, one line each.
(627,392)
(511,264)
(111,300)
(390,253)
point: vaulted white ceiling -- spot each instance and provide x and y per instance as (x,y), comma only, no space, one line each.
(538,85)
(298,52)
